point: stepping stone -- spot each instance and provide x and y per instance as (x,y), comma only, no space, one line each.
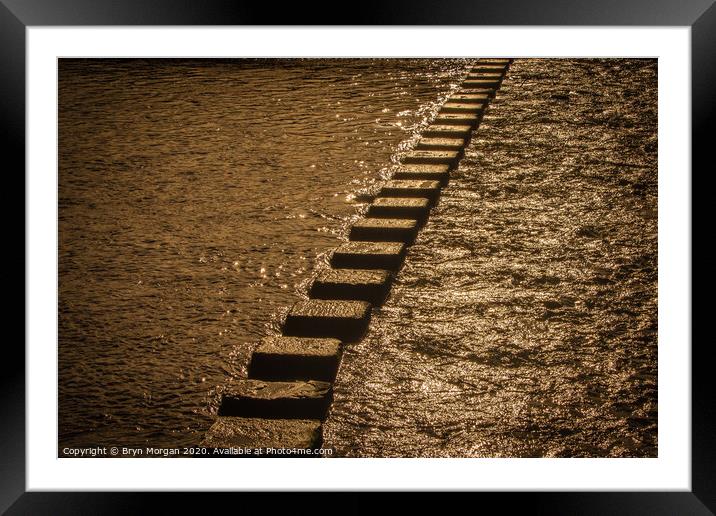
(369,255)
(485,77)
(240,432)
(488,68)
(373,229)
(490,92)
(277,400)
(417,208)
(358,284)
(411,188)
(463,98)
(494,61)
(432,172)
(481,83)
(295,358)
(458,119)
(430,157)
(344,320)
(448,131)
(441,144)
(459,107)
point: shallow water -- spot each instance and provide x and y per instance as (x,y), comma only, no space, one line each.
(196,198)
(524,322)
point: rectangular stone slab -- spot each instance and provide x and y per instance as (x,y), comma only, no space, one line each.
(490,92)
(482,76)
(441,144)
(433,172)
(448,131)
(369,255)
(489,68)
(493,61)
(295,358)
(344,320)
(411,188)
(373,229)
(417,208)
(432,157)
(469,98)
(359,284)
(240,432)
(470,119)
(277,400)
(458,107)
(481,83)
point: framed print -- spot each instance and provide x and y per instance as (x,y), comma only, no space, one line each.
(442,249)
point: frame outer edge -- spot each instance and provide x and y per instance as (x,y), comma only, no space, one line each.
(703,113)
(12,382)
(12,111)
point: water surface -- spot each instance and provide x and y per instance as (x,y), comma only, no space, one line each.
(524,322)
(196,199)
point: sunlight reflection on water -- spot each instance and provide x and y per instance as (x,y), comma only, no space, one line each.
(196,199)
(524,322)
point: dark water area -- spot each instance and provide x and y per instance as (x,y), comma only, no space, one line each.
(524,322)
(196,199)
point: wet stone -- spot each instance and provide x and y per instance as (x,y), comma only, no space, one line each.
(344,320)
(481,83)
(432,157)
(412,188)
(493,61)
(489,68)
(359,284)
(448,131)
(277,400)
(240,432)
(458,107)
(485,77)
(295,358)
(373,229)
(441,144)
(369,255)
(470,98)
(458,119)
(432,172)
(417,208)
(490,92)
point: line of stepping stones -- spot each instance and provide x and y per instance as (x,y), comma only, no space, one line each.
(289,390)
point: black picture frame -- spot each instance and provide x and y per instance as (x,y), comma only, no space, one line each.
(17,15)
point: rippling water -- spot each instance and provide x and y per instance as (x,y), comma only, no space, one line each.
(196,199)
(524,322)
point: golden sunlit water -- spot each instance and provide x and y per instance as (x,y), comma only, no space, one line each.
(198,198)
(524,322)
